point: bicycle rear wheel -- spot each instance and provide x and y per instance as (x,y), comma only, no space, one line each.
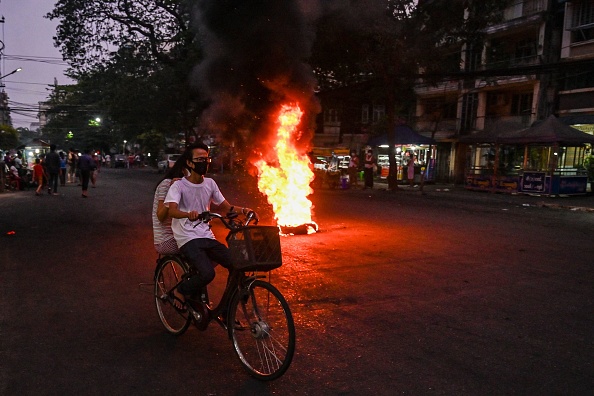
(170,271)
(262,330)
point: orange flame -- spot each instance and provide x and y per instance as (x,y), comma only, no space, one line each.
(286,184)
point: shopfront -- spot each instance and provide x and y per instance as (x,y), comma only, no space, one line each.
(544,159)
(408,143)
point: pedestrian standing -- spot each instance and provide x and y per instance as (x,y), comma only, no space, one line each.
(72,161)
(63,168)
(353,169)
(95,171)
(369,167)
(85,166)
(52,162)
(14,177)
(410,172)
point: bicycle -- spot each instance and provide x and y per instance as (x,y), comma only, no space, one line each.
(254,313)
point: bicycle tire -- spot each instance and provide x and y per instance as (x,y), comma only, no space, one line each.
(170,272)
(262,330)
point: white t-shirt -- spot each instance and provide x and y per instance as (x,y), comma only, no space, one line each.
(190,196)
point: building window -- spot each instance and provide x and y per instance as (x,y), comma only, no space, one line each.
(521,104)
(582,21)
(379,112)
(469,107)
(579,80)
(473,57)
(525,51)
(441,108)
(331,116)
(365,114)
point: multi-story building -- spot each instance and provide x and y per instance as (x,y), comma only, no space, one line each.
(538,61)
(508,78)
(576,88)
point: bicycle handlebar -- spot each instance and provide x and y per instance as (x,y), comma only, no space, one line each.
(229,220)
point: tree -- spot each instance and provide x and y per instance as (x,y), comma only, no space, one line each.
(90,30)
(589,166)
(131,60)
(9,137)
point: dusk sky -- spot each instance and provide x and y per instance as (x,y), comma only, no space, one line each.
(28,43)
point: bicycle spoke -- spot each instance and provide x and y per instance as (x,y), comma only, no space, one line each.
(267,349)
(168,275)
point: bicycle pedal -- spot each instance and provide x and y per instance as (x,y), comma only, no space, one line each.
(197,316)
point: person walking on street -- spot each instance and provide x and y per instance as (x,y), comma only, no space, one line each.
(85,165)
(52,162)
(38,175)
(353,169)
(369,168)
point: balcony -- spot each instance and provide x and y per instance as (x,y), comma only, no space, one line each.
(523,9)
(511,61)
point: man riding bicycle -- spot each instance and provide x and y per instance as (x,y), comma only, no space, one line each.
(186,199)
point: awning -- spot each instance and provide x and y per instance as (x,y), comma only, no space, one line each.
(493,133)
(550,131)
(547,132)
(403,134)
(34,143)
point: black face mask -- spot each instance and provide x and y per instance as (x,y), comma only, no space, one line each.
(201,167)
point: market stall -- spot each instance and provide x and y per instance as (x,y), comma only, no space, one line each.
(407,141)
(33,149)
(546,158)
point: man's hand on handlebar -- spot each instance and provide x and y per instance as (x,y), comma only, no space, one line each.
(193,215)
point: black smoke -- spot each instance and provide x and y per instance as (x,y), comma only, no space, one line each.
(255,60)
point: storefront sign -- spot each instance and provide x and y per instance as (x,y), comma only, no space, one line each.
(573,184)
(534,182)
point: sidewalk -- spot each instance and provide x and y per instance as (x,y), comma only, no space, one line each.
(583,203)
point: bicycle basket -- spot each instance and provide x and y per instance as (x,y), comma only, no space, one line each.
(255,248)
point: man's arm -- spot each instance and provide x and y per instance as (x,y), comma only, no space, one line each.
(175,213)
(225,207)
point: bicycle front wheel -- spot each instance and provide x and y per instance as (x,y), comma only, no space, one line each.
(262,330)
(170,271)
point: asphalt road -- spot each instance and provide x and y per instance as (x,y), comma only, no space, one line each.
(399,293)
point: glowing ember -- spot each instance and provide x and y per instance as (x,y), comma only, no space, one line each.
(286,182)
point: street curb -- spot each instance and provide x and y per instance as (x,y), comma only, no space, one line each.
(572,208)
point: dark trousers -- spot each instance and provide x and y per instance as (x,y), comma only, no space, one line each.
(368,176)
(53,181)
(85,175)
(201,253)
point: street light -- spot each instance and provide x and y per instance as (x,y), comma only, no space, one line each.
(11,73)
(124,148)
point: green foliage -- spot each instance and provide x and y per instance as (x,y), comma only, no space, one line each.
(589,165)
(89,30)
(9,137)
(153,142)
(141,86)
